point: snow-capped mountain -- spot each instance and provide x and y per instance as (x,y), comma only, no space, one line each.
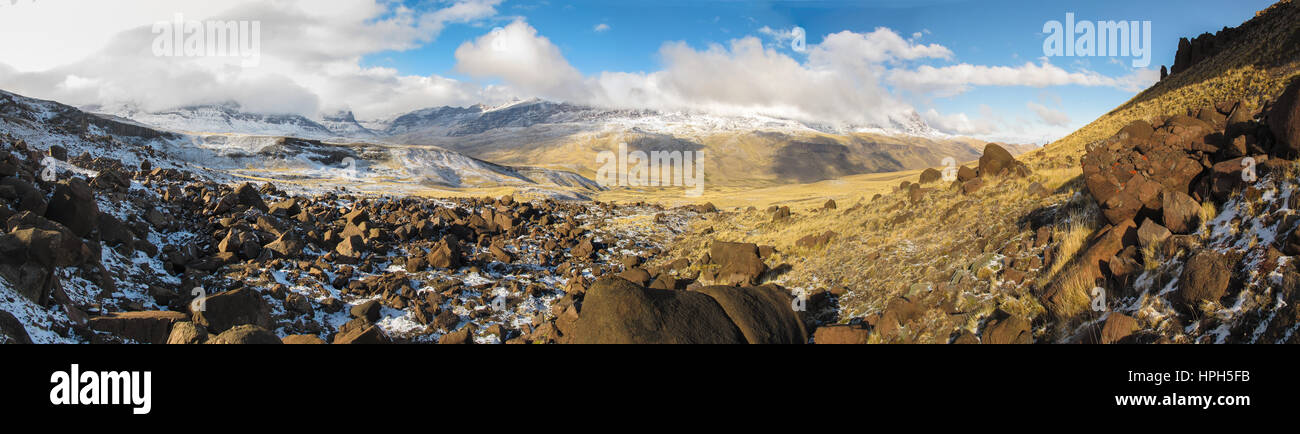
(302,163)
(344,124)
(449,121)
(557,135)
(228,118)
(419,126)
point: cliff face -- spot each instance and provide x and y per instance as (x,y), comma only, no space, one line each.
(1191,52)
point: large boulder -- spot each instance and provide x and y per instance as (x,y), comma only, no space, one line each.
(12,330)
(996,161)
(1205,278)
(51,246)
(930,175)
(288,245)
(616,311)
(740,263)
(232,308)
(1182,214)
(152,327)
(29,197)
(73,205)
(246,194)
(764,314)
(1284,119)
(447,254)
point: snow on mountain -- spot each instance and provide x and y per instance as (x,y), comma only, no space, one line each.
(478,119)
(308,164)
(344,124)
(419,126)
(220,118)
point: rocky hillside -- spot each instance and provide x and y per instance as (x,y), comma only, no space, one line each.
(1170,219)
(96,251)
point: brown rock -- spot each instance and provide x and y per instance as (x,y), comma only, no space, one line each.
(152,327)
(246,334)
(1205,278)
(303,340)
(1118,326)
(841,334)
(1284,119)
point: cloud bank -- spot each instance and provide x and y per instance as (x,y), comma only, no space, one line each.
(311,56)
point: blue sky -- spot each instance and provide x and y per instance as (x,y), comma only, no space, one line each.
(995,33)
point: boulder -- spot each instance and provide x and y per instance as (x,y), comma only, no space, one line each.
(369,310)
(1151,233)
(764,314)
(1284,119)
(447,254)
(246,194)
(929,175)
(29,198)
(616,311)
(152,327)
(636,275)
(740,263)
(231,308)
(996,161)
(841,334)
(52,246)
(288,245)
(1205,278)
(73,205)
(247,334)
(965,173)
(1009,330)
(187,333)
(1182,214)
(285,208)
(352,246)
(361,330)
(1117,327)
(12,330)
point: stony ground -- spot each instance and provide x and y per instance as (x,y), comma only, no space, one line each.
(98,252)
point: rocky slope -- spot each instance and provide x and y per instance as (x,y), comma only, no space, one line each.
(111,236)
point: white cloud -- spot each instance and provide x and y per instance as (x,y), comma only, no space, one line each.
(959,123)
(312,49)
(1048,115)
(529,62)
(956,79)
(839,82)
(310,55)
